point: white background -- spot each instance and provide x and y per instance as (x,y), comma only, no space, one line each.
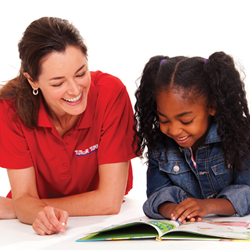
(122,35)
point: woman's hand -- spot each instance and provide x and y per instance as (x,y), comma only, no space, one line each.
(50,220)
(6,209)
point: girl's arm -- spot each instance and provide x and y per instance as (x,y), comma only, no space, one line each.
(50,215)
(192,208)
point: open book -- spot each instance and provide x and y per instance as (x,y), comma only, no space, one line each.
(165,229)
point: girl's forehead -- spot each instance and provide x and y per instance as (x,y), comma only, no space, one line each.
(176,97)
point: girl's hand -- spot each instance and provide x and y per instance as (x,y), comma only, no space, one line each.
(168,209)
(50,220)
(191,209)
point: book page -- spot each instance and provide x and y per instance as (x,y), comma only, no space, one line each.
(220,229)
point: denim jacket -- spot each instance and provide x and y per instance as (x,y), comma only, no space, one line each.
(178,179)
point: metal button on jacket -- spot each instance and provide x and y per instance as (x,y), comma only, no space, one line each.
(176,168)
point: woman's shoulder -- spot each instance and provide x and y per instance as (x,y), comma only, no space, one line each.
(105,80)
(7,107)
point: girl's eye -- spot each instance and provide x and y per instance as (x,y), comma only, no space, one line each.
(186,123)
(163,122)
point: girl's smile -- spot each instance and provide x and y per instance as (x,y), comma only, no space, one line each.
(182,140)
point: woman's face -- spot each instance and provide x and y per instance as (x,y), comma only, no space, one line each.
(182,120)
(65,81)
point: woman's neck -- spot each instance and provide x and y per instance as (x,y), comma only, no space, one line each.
(64,123)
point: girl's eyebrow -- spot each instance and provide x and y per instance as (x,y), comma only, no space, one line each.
(180,115)
(60,77)
(184,113)
(159,113)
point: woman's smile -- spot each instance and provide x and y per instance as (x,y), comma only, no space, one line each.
(73,100)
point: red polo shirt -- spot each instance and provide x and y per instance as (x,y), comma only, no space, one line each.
(68,165)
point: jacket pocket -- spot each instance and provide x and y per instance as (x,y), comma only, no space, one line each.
(179,174)
(222,174)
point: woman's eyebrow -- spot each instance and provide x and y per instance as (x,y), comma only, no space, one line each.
(80,68)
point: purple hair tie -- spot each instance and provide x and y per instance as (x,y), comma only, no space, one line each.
(206,60)
(162,61)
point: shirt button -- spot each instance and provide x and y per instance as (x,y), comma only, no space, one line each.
(64,165)
(176,168)
(65,151)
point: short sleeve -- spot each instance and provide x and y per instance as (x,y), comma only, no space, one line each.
(117,130)
(13,147)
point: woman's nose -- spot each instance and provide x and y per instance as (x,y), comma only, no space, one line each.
(73,87)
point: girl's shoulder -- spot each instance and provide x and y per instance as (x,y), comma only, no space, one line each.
(166,142)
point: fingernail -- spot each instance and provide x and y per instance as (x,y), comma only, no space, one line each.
(63,224)
(62,230)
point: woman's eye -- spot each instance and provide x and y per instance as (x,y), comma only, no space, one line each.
(81,75)
(57,85)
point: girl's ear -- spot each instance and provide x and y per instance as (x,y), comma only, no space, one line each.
(30,80)
(212,109)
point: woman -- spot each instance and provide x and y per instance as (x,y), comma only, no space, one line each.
(66,133)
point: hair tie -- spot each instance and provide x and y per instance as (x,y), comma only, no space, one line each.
(206,60)
(162,61)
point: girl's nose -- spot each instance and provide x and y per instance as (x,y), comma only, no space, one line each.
(174,130)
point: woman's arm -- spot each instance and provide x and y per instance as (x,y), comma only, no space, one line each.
(6,209)
(29,208)
(50,215)
(106,199)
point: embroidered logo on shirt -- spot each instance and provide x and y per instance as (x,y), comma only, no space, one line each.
(87,151)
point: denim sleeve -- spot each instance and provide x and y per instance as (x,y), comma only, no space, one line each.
(166,194)
(239,193)
(159,190)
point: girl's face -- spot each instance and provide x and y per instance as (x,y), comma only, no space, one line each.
(184,121)
(64,81)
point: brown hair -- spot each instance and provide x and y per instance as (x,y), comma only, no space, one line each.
(42,37)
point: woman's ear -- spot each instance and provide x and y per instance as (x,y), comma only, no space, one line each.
(30,80)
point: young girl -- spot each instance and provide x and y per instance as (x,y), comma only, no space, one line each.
(192,115)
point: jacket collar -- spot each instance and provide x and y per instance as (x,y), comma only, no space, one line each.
(212,136)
